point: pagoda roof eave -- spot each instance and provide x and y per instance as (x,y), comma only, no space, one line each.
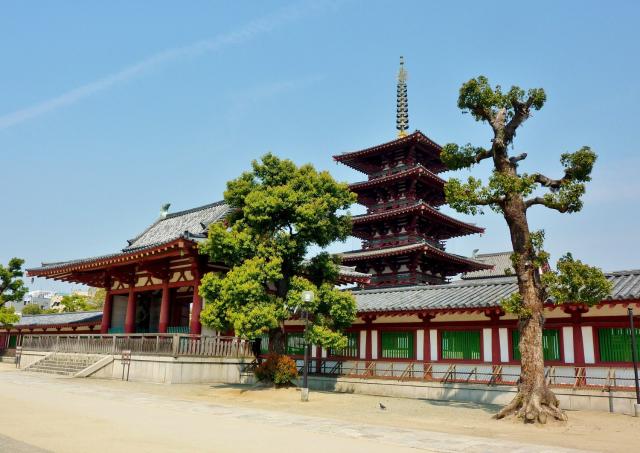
(419,170)
(59,270)
(365,255)
(422,208)
(351,158)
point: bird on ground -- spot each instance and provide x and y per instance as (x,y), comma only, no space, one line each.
(382,406)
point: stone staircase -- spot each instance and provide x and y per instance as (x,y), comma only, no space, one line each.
(64,364)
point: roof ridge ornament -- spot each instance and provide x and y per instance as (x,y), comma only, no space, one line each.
(164,210)
(402,107)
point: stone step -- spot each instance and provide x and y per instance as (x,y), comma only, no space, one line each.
(63,365)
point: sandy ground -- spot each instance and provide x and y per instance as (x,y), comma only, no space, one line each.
(68,415)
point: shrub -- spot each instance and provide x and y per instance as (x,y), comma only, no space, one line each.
(279,369)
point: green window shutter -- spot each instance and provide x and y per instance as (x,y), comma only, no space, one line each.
(615,344)
(352,346)
(550,344)
(295,343)
(460,344)
(264,343)
(397,345)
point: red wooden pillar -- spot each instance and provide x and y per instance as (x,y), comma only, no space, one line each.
(130,319)
(164,307)
(368,322)
(105,324)
(426,325)
(196,328)
(578,347)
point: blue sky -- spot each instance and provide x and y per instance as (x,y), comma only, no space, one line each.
(110,109)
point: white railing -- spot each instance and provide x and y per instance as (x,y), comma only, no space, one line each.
(156,344)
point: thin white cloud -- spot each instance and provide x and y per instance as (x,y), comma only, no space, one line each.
(245,101)
(249,31)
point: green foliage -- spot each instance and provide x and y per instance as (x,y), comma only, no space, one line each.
(467,197)
(456,157)
(8,316)
(541,257)
(574,281)
(32,309)
(280,211)
(479,98)
(279,369)
(77,302)
(98,298)
(12,287)
(579,164)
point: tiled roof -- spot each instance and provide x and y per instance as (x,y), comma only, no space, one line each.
(350,271)
(359,255)
(353,158)
(471,294)
(417,170)
(195,221)
(626,284)
(500,262)
(56,319)
(457,295)
(424,208)
(190,224)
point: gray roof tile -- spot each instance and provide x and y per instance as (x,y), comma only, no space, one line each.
(626,284)
(471,294)
(500,261)
(195,221)
(55,319)
(460,294)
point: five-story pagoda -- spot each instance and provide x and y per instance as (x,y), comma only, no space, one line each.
(403,232)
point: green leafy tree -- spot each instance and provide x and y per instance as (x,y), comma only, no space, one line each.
(280,210)
(32,309)
(97,299)
(77,302)
(12,289)
(512,193)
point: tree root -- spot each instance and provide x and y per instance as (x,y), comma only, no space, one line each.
(535,406)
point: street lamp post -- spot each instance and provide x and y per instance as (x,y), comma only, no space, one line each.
(307,297)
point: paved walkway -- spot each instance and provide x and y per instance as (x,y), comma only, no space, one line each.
(67,415)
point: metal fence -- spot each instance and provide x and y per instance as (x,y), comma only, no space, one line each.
(153,344)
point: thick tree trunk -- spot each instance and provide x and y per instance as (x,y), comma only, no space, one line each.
(534,400)
(277,344)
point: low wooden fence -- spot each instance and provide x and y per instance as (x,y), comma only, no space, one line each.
(588,377)
(153,344)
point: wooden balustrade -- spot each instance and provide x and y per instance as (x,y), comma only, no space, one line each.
(153,344)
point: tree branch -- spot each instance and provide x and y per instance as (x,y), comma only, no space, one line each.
(546,202)
(515,159)
(553,184)
(522,110)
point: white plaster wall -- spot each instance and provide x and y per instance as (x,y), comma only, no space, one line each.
(503,334)
(420,344)
(363,344)
(183,370)
(433,343)
(587,342)
(374,344)
(486,345)
(567,343)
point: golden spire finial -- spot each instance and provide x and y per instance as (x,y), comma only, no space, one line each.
(402,106)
